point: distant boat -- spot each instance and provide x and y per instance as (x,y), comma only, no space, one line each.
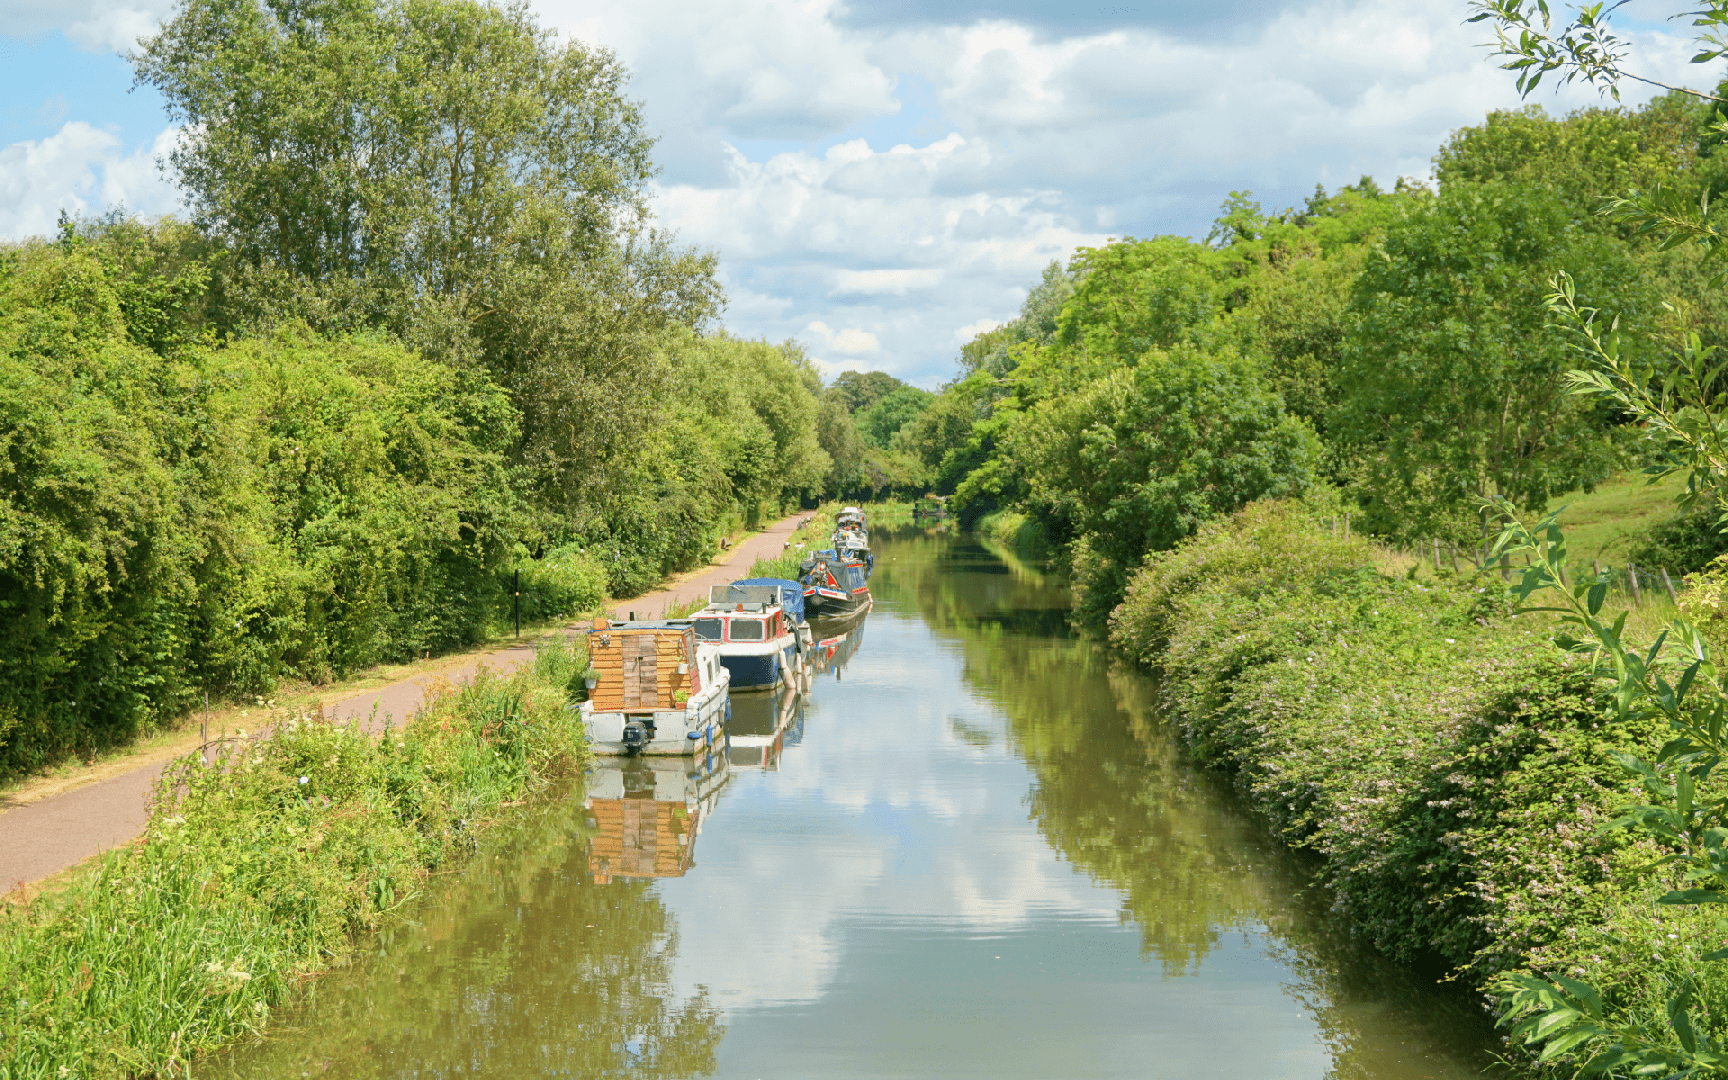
(834,583)
(932,507)
(660,691)
(755,634)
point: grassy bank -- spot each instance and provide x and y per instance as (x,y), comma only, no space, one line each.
(260,870)
(1445,761)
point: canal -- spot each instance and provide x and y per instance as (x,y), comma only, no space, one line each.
(973,851)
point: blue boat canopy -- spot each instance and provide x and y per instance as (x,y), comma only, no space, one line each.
(791,594)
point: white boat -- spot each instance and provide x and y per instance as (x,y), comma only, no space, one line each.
(757,638)
(659,691)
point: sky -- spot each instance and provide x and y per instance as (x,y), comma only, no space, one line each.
(884,179)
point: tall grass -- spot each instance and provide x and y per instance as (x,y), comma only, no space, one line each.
(259,868)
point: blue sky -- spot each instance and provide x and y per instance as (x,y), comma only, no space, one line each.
(883,180)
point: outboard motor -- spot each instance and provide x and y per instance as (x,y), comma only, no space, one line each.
(637,734)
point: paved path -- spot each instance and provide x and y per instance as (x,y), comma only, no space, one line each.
(60,831)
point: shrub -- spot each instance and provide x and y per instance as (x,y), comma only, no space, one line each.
(260,868)
(1449,766)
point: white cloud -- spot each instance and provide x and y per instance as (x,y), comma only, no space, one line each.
(80,169)
(884,282)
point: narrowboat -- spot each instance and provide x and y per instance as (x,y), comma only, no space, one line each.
(756,637)
(660,691)
(644,814)
(834,584)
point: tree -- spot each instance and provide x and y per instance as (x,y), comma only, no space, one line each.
(882,421)
(1454,387)
(448,171)
(857,391)
(1140,458)
(1135,295)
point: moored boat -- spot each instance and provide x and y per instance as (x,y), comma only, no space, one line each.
(834,584)
(756,638)
(659,690)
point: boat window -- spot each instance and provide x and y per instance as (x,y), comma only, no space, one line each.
(707,629)
(746,629)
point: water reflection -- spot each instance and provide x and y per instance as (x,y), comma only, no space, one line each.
(1114,794)
(522,966)
(765,723)
(644,813)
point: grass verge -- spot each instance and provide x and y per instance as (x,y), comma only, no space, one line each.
(259,870)
(1447,763)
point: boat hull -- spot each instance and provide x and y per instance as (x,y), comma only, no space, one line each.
(694,729)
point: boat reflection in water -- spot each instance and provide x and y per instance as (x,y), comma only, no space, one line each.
(836,641)
(646,812)
(765,724)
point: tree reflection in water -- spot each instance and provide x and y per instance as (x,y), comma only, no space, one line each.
(521,966)
(1114,794)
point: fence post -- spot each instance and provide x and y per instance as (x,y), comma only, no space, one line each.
(1596,567)
(1669,583)
(1637,596)
(1506,567)
(1454,550)
(1436,554)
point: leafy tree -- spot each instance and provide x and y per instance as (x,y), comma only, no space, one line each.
(1141,457)
(1135,295)
(449,171)
(882,421)
(857,391)
(1454,388)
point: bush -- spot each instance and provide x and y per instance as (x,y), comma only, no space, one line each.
(223,518)
(1448,764)
(565,581)
(260,869)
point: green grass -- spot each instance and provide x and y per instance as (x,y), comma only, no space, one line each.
(261,869)
(1604,524)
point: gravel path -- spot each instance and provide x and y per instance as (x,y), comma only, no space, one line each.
(45,837)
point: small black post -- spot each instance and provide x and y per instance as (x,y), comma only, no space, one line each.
(516,598)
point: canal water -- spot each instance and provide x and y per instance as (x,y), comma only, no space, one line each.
(971,850)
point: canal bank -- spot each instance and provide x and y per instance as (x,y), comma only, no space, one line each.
(977,855)
(1451,768)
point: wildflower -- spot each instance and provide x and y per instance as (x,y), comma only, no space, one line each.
(303,779)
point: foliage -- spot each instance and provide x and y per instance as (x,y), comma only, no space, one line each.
(883,420)
(363,168)
(1451,774)
(1455,387)
(224,517)
(1142,457)
(1135,295)
(259,868)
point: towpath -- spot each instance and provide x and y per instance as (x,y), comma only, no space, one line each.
(59,831)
